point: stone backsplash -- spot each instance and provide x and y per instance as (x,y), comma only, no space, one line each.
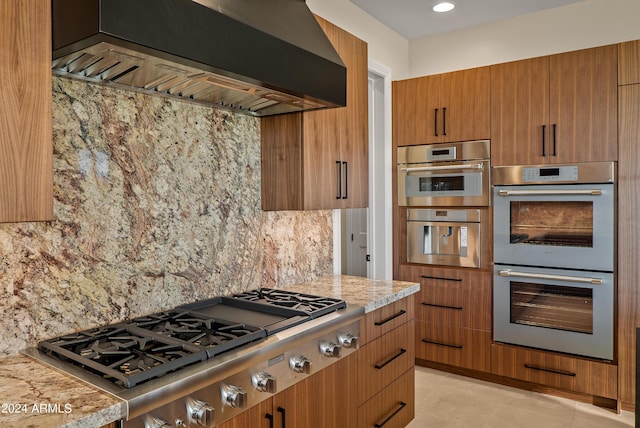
(157,203)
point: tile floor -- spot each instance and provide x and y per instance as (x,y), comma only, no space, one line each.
(445,400)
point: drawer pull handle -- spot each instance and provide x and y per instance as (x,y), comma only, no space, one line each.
(442,344)
(391,318)
(269,416)
(391,416)
(457,308)
(284,416)
(554,371)
(379,366)
(442,278)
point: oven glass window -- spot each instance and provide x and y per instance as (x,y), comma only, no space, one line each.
(441,183)
(560,223)
(551,306)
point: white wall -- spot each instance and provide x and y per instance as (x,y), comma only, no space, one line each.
(385,45)
(585,24)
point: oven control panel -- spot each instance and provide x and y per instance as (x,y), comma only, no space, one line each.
(555,173)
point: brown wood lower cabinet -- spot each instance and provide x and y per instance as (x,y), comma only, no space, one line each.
(393,407)
(456,346)
(323,400)
(557,371)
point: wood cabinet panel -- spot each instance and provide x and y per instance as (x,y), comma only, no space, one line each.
(629,63)
(573,374)
(628,240)
(455,297)
(456,346)
(519,111)
(305,155)
(383,360)
(258,416)
(583,105)
(26,149)
(386,319)
(442,108)
(324,400)
(393,407)
(555,109)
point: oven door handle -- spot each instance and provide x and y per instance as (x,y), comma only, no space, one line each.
(551,277)
(594,192)
(443,167)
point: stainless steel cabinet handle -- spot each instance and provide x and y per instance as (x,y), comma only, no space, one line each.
(443,168)
(593,192)
(509,273)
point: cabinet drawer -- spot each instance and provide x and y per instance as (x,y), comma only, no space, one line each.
(558,371)
(387,318)
(456,346)
(456,299)
(393,407)
(383,360)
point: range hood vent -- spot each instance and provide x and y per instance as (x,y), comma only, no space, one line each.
(258,57)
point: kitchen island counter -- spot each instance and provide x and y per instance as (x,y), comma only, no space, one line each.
(357,291)
(33,395)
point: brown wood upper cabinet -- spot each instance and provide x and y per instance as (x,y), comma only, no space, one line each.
(629,63)
(26,166)
(442,108)
(555,109)
(319,159)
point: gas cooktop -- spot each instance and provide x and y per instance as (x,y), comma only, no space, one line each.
(144,348)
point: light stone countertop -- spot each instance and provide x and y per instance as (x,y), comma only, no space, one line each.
(357,291)
(34,395)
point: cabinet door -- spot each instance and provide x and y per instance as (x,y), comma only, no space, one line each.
(26,166)
(465,106)
(520,112)
(259,416)
(583,105)
(629,63)
(327,399)
(417,110)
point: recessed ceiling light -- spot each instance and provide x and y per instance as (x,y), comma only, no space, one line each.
(444,6)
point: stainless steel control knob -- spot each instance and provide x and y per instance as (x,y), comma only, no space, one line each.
(348,340)
(330,349)
(234,396)
(264,382)
(300,364)
(200,413)
(155,422)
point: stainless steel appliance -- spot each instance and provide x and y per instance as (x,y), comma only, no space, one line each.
(444,174)
(200,364)
(220,53)
(444,237)
(554,252)
(555,216)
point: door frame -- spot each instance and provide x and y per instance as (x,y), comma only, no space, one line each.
(380,218)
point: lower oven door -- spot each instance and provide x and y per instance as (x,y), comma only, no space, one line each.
(553,309)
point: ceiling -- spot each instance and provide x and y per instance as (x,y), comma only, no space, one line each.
(414,19)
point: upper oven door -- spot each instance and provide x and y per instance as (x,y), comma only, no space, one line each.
(563,226)
(444,184)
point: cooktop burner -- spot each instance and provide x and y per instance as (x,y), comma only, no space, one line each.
(313,305)
(124,353)
(151,346)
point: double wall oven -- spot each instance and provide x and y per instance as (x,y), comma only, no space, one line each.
(445,188)
(554,257)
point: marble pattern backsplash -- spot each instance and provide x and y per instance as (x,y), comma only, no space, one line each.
(156,203)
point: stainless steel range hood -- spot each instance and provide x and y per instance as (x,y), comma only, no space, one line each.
(259,57)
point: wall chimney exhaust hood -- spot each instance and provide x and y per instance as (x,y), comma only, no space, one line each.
(258,57)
